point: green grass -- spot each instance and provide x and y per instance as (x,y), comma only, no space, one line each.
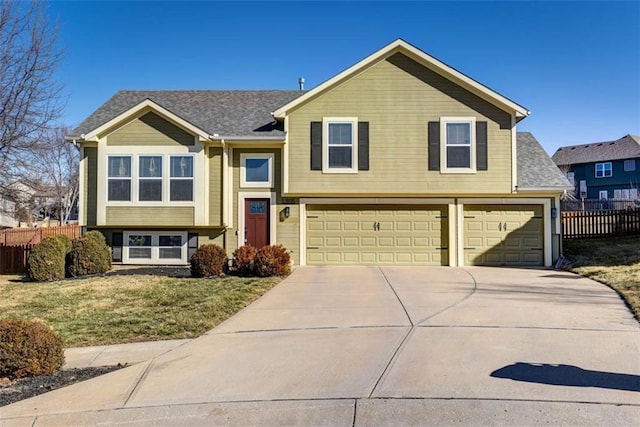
(122,309)
(613,261)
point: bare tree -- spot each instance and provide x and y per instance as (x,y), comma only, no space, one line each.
(30,97)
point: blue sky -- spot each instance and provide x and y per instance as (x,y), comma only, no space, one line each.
(575,65)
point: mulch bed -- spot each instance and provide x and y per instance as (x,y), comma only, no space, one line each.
(24,388)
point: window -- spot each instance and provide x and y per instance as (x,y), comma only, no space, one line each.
(571,176)
(181,179)
(161,247)
(340,147)
(458,149)
(119,178)
(603,170)
(629,165)
(256,170)
(170,246)
(150,179)
(139,246)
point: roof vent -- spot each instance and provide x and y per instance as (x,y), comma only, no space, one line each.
(599,145)
(612,143)
(301,83)
(573,148)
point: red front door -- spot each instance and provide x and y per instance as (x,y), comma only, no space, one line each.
(256,222)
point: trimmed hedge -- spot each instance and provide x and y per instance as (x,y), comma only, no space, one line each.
(46,260)
(208,261)
(29,348)
(273,261)
(89,255)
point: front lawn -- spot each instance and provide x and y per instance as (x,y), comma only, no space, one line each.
(613,261)
(121,309)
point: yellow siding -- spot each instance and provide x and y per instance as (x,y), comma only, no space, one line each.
(215,186)
(90,185)
(211,236)
(150,129)
(398,97)
(287,231)
(130,216)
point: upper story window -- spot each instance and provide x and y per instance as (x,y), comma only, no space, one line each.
(629,165)
(146,178)
(181,179)
(458,145)
(603,170)
(340,147)
(119,178)
(256,170)
(571,176)
(150,179)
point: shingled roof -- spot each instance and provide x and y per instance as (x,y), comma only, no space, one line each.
(627,147)
(238,113)
(535,169)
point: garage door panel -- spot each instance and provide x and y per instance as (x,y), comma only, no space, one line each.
(406,235)
(503,235)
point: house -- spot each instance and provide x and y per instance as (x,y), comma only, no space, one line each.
(603,170)
(7,213)
(399,159)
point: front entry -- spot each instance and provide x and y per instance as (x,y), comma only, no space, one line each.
(256,222)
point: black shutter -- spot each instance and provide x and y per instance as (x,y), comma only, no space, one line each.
(192,239)
(316,146)
(116,247)
(481,146)
(363,146)
(434,146)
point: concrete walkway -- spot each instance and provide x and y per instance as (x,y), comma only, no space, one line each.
(125,354)
(384,346)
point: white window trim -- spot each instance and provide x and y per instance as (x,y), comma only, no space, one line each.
(353,121)
(242,195)
(443,144)
(604,169)
(131,178)
(263,184)
(155,248)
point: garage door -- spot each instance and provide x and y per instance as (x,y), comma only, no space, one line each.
(509,235)
(377,235)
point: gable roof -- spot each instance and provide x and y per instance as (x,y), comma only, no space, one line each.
(426,60)
(627,147)
(536,170)
(227,113)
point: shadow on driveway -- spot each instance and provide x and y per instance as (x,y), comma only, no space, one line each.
(567,375)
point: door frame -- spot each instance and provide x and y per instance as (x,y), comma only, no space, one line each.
(242,195)
(546,219)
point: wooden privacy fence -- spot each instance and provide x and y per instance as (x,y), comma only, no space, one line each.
(32,236)
(13,259)
(587,224)
(15,245)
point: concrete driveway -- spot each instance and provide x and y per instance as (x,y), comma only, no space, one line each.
(384,346)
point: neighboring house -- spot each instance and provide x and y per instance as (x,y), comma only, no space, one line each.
(7,213)
(603,170)
(399,159)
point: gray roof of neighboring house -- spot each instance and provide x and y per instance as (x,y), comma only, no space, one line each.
(244,113)
(536,170)
(627,147)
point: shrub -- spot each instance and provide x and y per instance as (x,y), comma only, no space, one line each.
(245,258)
(29,348)
(64,241)
(208,261)
(47,260)
(89,255)
(273,261)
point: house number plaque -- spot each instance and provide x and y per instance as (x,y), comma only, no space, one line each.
(289,201)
